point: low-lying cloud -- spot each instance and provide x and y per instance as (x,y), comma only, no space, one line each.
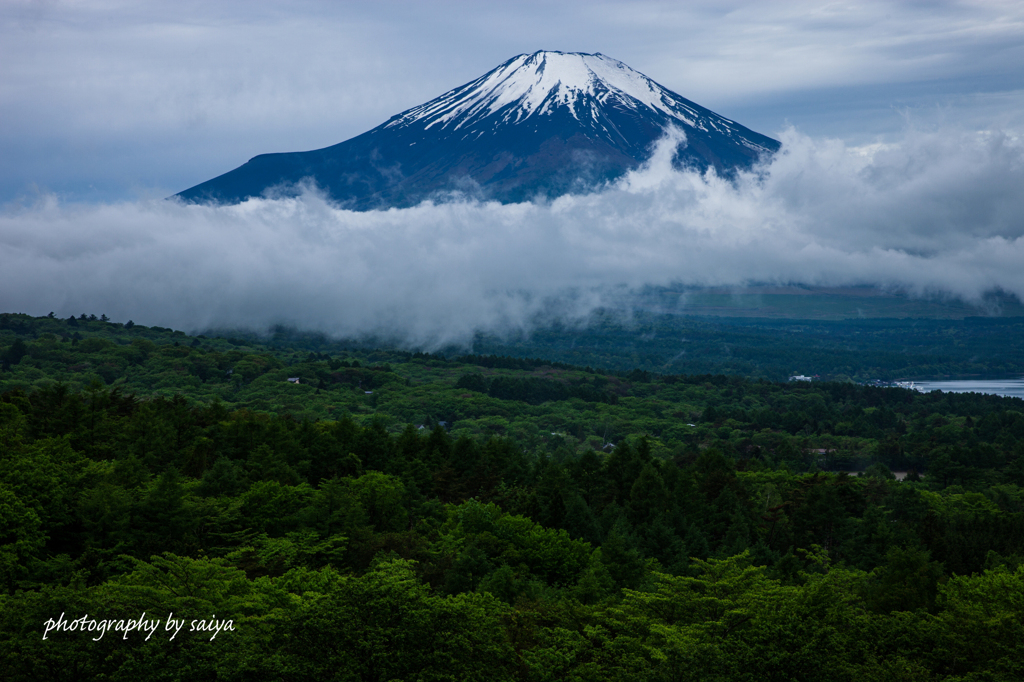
(938,213)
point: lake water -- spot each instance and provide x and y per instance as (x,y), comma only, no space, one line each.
(1004,387)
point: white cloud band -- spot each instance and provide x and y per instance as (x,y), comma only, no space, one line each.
(939,212)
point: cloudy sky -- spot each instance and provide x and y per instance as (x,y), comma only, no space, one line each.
(113,99)
(902,162)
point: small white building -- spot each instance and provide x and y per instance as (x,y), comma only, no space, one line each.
(293,380)
(800,377)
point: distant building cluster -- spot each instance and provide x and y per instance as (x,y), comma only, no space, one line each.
(800,377)
(893,384)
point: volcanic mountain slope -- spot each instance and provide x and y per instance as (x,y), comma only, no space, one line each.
(541,124)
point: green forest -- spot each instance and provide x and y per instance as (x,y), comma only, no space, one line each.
(342,512)
(860,350)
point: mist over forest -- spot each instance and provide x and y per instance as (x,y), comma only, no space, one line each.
(936,214)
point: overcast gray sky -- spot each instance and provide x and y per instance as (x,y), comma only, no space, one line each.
(110,100)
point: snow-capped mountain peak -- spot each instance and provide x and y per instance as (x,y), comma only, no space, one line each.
(547,83)
(540,124)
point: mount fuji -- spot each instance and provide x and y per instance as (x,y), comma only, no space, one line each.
(541,124)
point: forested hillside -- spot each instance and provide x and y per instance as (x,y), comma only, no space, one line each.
(410,516)
(861,350)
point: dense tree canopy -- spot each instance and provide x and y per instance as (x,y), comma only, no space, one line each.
(407,516)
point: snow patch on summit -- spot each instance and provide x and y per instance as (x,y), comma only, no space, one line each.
(543,82)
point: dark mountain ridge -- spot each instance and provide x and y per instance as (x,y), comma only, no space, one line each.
(542,124)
